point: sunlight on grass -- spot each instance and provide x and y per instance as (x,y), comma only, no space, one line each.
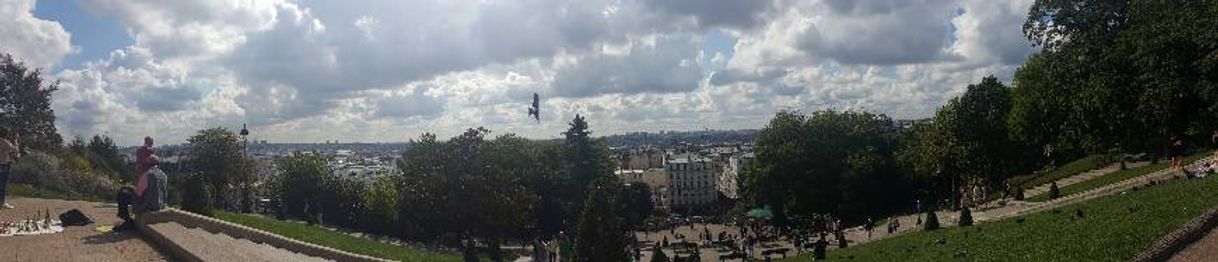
(336,240)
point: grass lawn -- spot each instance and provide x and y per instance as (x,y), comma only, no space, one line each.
(34,192)
(1116,177)
(1075,167)
(1114,228)
(336,240)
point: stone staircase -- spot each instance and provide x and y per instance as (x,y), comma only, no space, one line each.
(191,237)
(208,246)
(1080,177)
(1123,185)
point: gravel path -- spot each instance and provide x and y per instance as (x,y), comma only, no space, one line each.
(74,243)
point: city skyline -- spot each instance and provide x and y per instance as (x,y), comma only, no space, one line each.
(301,71)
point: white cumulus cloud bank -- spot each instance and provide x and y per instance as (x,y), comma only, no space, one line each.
(389,70)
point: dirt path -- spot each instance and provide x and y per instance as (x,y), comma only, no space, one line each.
(74,243)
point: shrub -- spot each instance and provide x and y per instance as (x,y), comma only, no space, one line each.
(195,196)
(39,169)
(1019,193)
(966,217)
(47,171)
(932,220)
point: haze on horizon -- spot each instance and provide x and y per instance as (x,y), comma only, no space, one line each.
(384,71)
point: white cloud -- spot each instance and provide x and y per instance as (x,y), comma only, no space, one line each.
(388,70)
(37,42)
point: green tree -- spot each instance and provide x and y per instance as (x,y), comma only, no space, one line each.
(601,235)
(301,178)
(828,162)
(104,158)
(217,154)
(463,178)
(588,157)
(636,204)
(25,105)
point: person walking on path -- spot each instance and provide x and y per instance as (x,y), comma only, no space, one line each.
(10,151)
(141,166)
(1176,152)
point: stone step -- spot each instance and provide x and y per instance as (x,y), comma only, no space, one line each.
(220,247)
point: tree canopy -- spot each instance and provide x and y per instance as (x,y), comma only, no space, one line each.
(25,105)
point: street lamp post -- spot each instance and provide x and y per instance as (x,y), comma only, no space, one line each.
(245,187)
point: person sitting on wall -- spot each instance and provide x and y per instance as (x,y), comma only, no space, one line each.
(153,198)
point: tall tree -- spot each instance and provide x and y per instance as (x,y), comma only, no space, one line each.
(217,154)
(463,178)
(588,157)
(301,177)
(25,105)
(601,235)
(828,162)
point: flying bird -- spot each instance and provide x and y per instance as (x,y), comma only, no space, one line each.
(535,111)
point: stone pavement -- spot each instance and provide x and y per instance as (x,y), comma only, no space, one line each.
(80,243)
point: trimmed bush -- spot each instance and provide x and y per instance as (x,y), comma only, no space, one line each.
(932,220)
(966,217)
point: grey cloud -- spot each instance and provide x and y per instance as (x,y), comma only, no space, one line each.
(710,13)
(167,99)
(667,67)
(411,105)
(881,32)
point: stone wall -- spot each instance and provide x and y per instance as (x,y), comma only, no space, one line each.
(1178,240)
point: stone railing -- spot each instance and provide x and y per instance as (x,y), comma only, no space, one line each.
(1178,240)
(191,220)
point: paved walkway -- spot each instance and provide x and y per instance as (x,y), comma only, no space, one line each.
(1080,177)
(80,243)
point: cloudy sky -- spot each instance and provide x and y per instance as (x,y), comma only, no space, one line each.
(303,71)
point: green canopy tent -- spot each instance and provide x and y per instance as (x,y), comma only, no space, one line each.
(761,213)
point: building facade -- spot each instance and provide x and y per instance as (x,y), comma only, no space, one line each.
(655,178)
(728,181)
(692,181)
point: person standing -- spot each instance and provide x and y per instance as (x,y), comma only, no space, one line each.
(1214,142)
(1177,152)
(141,166)
(10,151)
